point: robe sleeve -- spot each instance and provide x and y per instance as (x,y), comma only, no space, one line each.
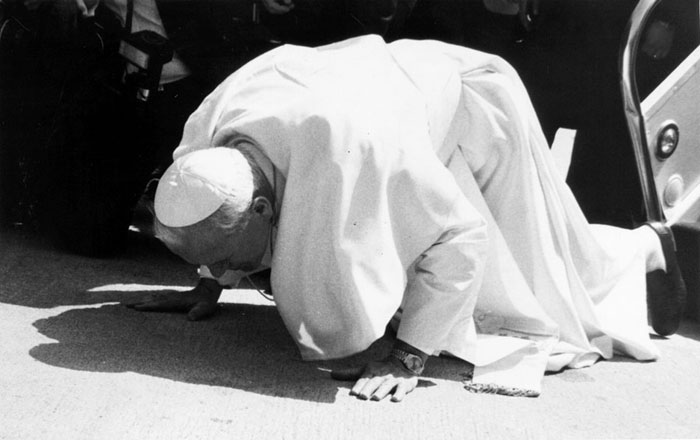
(443,285)
(230,279)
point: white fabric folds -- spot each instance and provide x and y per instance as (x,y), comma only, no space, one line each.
(417,177)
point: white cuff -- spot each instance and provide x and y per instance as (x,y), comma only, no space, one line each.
(229,279)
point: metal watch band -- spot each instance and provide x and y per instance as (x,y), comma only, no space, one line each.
(410,361)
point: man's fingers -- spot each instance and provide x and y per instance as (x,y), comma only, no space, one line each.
(347,374)
(379,379)
(370,387)
(202,310)
(404,387)
(359,385)
(385,388)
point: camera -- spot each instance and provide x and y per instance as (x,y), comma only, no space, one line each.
(147,52)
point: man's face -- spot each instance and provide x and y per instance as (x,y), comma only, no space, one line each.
(220,252)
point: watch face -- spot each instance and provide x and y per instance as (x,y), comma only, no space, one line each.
(410,361)
(414,363)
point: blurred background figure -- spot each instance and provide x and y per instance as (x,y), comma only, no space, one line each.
(315,22)
(84,127)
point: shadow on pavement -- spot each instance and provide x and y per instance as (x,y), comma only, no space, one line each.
(36,274)
(243,346)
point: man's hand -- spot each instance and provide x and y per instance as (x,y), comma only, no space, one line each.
(378,379)
(198,303)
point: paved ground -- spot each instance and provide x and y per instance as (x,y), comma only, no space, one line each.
(74,364)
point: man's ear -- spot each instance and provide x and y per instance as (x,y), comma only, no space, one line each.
(263,207)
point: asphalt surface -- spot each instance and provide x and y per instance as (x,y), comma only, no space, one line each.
(75,364)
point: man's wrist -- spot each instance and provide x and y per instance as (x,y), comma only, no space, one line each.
(210,287)
(410,357)
(401,345)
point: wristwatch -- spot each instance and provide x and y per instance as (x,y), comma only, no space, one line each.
(410,361)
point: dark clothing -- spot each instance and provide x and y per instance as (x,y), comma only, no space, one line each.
(78,146)
(101,157)
(317,22)
(43,54)
(213,37)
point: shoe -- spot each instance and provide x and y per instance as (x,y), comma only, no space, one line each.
(666,291)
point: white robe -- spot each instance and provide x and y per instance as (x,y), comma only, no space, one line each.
(417,177)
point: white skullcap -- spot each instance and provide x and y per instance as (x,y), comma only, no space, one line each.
(197,184)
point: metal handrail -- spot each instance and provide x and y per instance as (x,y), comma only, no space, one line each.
(632,107)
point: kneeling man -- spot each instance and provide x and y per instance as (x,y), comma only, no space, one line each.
(407,183)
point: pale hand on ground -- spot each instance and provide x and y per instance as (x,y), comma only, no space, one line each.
(378,379)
